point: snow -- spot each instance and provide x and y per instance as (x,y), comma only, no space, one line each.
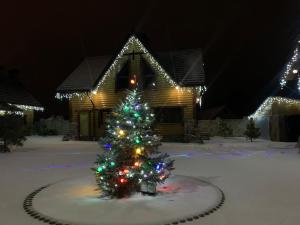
(180,197)
(261,180)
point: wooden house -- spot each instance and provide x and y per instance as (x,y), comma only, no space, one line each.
(279,118)
(279,115)
(15,99)
(172,83)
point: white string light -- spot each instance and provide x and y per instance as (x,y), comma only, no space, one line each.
(28,107)
(150,59)
(265,108)
(8,112)
(288,69)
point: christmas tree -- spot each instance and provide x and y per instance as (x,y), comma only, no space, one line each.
(131,160)
(12,131)
(252,132)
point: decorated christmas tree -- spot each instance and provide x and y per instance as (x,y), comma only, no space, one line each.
(252,132)
(131,161)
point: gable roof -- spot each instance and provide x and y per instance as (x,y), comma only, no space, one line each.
(83,78)
(14,93)
(185,67)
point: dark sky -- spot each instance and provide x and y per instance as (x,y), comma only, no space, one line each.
(245,43)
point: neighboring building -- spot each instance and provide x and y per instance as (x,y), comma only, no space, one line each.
(14,99)
(279,116)
(172,83)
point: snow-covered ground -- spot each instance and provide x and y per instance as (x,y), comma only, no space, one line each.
(261,180)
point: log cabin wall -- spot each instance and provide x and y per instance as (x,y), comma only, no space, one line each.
(160,95)
(285,109)
(28,118)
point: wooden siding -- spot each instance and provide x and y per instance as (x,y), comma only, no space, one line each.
(284,108)
(162,95)
(29,114)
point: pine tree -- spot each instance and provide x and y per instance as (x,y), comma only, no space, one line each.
(223,129)
(131,157)
(12,131)
(252,132)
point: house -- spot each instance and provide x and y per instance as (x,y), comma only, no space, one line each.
(172,83)
(279,116)
(15,99)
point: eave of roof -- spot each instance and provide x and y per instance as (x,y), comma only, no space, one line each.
(14,93)
(76,82)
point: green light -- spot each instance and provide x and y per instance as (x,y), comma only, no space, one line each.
(126,108)
(99,169)
(112,163)
(137,140)
(137,115)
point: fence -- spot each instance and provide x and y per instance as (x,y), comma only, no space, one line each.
(238,126)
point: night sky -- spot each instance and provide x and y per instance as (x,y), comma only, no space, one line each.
(245,43)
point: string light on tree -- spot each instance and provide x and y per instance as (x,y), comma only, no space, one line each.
(132,159)
(121,133)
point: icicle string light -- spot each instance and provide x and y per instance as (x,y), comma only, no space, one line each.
(7,112)
(289,67)
(266,107)
(28,107)
(131,41)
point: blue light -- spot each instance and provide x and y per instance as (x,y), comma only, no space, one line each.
(107,146)
(137,107)
(159,167)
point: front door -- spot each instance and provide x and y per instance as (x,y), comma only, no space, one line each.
(84,125)
(102,117)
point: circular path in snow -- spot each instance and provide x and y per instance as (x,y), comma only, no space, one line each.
(76,202)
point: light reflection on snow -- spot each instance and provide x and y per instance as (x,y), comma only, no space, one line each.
(58,166)
(187,154)
(230,154)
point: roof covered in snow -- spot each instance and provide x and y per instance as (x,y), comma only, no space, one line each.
(185,67)
(14,93)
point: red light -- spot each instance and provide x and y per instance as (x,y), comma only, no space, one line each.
(137,164)
(126,171)
(123,180)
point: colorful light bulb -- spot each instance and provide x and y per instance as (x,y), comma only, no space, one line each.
(137,140)
(159,167)
(121,132)
(126,108)
(123,180)
(107,146)
(138,151)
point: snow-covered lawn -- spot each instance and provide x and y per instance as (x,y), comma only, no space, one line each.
(261,180)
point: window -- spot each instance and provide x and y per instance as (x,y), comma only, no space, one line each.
(148,74)
(102,116)
(169,114)
(122,77)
